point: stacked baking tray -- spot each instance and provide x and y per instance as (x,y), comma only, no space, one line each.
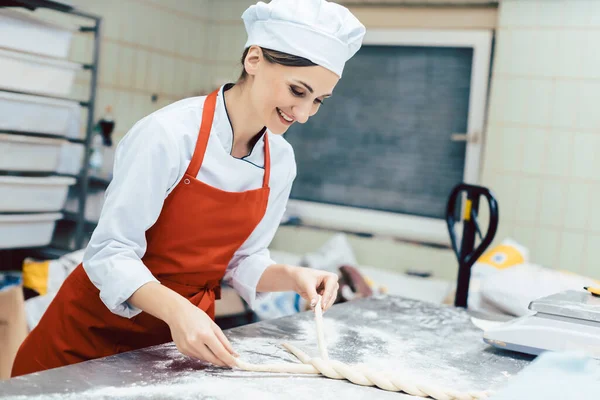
(40,139)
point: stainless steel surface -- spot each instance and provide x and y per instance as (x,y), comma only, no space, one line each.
(570,304)
(411,337)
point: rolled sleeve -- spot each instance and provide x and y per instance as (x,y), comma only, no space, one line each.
(128,276)
(245,276)
(146,168)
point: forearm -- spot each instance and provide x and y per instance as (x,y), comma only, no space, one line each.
(277,278)
(157,300)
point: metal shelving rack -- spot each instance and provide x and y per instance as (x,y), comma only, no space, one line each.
(15,256)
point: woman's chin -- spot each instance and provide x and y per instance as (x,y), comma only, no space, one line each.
(277,128)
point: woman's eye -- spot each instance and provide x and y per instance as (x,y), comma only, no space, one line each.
(295,92)
(319,101)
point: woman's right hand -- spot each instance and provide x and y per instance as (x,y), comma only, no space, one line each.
(192,330)
(196,335)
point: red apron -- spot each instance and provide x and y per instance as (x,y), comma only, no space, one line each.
(188,249)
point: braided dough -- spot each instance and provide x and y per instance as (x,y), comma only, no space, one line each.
(357,374)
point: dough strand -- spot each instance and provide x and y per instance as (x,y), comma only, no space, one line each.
(357,374)
(320,331)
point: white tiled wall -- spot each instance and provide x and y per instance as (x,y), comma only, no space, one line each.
(543,136)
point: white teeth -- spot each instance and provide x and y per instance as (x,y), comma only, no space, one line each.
(288,119)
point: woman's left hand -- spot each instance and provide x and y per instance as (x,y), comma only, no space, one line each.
(309,283)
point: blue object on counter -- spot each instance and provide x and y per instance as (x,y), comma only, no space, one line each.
(10,279)
(555,376)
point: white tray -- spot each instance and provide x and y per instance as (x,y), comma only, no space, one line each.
(24,194)
(23,32)
(29,73)
(26,113)
(27,230)
(26,153)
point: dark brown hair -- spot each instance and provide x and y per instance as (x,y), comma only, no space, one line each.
(277,57)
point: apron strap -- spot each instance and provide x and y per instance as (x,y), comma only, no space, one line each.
(267,161)
(208,114)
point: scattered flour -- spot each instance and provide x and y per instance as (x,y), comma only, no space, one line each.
(418,344)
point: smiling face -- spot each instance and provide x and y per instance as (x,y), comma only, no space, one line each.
(283,95)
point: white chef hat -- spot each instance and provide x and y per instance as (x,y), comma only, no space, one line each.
(323,32)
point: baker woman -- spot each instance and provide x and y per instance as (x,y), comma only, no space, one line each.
(198,192)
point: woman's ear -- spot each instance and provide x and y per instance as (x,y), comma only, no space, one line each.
(253,60)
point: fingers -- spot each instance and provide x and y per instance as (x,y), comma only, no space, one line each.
(201,352)
(208,347)
(223,339)
(209,356)
(312,294)
(329,291)
(217,348)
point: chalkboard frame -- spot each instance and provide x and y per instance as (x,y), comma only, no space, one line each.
(403,226)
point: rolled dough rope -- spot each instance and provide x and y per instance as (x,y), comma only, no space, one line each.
(357,374)
(365,376)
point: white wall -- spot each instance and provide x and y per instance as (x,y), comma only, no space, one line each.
(544,130)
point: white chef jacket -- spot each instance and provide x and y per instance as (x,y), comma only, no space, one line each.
(149,162)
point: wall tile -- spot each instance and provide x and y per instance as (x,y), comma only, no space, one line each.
(571,254)
(551,13)
(590,68)
(570,46)
(528,199)
(579,205)
(512,149)
(505,188)
(515,108)
(523,49)
(168,75)
(142,66)
(586,164)
(591,260)
(594,224)
(578,15)
(543,52)
(567,95)
(594,14)
(128,25)
(109,63)
(535,143)
(553,203)
(539,101)
(498,99)
(525,235)
(125,69)
(559,154)
(493,152)
(546,247)
(518,13)
(154,80)
(589,117)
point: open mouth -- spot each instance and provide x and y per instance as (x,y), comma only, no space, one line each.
(284,118)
